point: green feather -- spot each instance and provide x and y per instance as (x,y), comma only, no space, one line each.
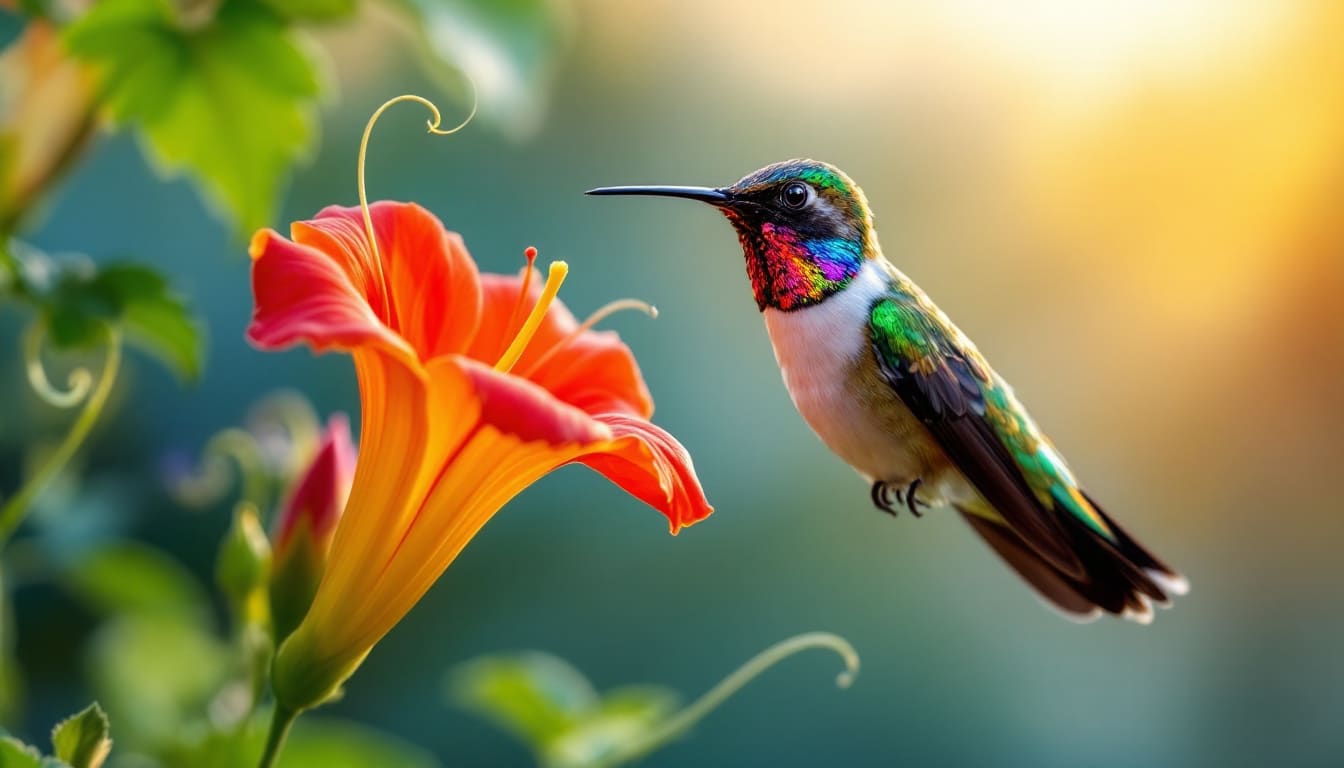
(943,380)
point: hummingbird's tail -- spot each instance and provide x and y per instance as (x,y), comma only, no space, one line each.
(1119,577)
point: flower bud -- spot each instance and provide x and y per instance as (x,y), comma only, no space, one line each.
(306,524)
(243,566)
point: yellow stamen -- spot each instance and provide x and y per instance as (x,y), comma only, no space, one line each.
(602,313)
(554,278)
(363,151)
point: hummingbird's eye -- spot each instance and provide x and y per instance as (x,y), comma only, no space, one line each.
(795,195)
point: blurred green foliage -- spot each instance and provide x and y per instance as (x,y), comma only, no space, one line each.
(551,707)
(231,98)
(83,740)
(11,693)
(120,577)
(315,743)
(508,48)
(80,741)
(312,10)
(80,301)
(230,94)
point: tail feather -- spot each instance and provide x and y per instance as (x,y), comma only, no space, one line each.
(1056,588)
(1120,577)
(1166,579)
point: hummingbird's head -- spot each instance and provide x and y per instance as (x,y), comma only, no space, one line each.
(804,226)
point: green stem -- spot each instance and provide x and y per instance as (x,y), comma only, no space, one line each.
(281,721)
(13,511)
(78,383)
(683,721)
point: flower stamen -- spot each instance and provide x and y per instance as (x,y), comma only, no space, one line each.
(611,308)
(529,253)
(602,313)
(555,276)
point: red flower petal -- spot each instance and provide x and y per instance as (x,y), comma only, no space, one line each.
(435,295)
(518,407)
(649,464)
(595,371)
(502,314)
(303,295)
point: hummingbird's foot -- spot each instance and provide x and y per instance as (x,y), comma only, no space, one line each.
(888,498)
(911,502)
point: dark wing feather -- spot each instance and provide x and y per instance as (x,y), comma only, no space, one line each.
(944,386)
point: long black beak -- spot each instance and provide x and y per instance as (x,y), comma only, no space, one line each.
(703,194)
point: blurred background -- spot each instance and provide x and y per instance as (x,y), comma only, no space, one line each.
(1136,210)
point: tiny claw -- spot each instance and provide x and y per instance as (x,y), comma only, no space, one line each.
(882,494)
(911,502)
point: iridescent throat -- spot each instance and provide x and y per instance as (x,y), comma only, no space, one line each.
(789,271)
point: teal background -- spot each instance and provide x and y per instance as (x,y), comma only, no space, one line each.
(1214,437)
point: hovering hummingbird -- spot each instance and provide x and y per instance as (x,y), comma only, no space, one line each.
(898,392)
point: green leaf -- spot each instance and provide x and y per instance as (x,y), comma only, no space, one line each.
(84,300)
(313,10)
(622,719)
(316,742)
(82,740)
(645,704)
(155,674)
(126,577)
(535,696)
(327,743)
(509,49)
(154,318)
(553,708)
(14,754)
(231,99)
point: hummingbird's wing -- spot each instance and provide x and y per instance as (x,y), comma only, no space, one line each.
(953,391)
(988,435)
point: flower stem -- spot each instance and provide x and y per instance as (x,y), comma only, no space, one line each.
(281,720)
(683,721)
(13,511)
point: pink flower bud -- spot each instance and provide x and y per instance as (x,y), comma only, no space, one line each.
(306,524)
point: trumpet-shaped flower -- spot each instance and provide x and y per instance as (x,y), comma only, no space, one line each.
(471,387)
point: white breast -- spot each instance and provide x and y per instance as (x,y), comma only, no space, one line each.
(817,348)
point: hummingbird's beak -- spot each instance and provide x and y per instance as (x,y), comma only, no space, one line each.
(703,194)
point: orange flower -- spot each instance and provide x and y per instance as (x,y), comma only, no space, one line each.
(471,387)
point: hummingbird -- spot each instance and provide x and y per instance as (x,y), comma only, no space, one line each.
(900,394)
